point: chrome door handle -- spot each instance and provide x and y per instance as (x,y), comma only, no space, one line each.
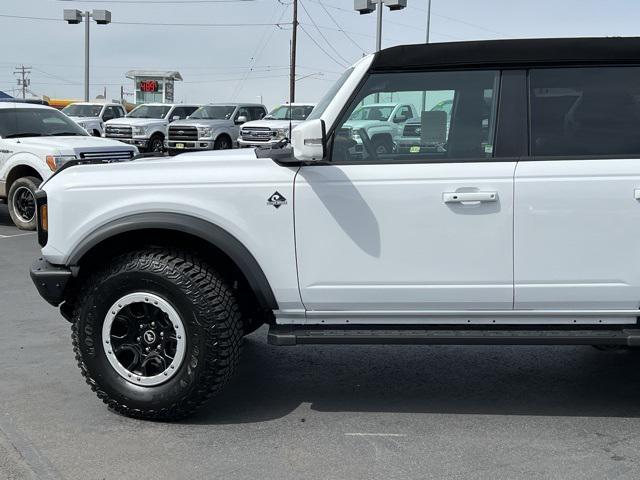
(636,194)
(461,197)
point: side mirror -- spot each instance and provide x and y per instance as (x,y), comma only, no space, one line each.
(241,119)
(309,141)
(175,117)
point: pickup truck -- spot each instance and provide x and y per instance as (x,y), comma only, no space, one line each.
(35,141)
(381,121)
(518,230)
(92,115)
(275,127)
(146,125)
(212,127)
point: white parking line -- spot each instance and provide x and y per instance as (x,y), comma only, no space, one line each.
(356,434)
(17,235)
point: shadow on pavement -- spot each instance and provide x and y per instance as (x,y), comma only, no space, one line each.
(4,216)
(551,381)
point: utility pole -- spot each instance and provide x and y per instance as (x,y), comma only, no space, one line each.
(23,82)
(292,73)
(379,27)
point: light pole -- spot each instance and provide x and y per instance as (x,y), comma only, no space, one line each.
(369,6)
(428,19)
(73,17)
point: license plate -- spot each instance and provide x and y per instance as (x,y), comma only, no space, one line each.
(179,145)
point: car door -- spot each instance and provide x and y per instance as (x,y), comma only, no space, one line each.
(577,197)
(404,236)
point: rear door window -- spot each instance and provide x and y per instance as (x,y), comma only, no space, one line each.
(585,111)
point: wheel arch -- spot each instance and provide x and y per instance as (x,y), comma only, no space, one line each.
(20,171)
(174,229)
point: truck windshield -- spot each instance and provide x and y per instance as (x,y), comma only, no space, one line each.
(298,112)
(36,122)
(214,112)
(326,100)
(373,112)
(77,110)
(149,111)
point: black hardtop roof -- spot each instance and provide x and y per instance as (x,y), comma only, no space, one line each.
(511,53)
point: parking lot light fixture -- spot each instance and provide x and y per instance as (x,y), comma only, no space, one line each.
(365,7)
(73,17)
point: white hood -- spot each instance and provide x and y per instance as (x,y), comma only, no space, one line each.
(272,124)
(70,145)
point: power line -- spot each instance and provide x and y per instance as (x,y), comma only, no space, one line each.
(340,28)
(320,46)
(23,17)
(168,2)
(322,34)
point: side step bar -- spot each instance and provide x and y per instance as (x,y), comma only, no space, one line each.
(288,335)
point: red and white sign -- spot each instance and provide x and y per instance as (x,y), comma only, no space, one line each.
(148,85)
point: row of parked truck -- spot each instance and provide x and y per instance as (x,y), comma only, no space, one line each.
(175,128)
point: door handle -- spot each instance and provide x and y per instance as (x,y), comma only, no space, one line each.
(462,197)
(636,194)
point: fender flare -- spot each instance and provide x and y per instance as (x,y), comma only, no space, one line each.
(197,227)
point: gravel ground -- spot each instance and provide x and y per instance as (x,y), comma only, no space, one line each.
(396,412)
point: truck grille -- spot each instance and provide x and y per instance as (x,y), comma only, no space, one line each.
(257,134)
(116,131)
(110,156)
(412,130)
(183,133)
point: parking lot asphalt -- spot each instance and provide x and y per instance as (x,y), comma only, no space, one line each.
(395,412)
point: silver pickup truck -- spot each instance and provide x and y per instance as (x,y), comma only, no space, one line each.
(212,127)
(146,125)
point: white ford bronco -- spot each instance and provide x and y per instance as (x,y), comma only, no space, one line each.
(146,125)
(518,229)
(35,141)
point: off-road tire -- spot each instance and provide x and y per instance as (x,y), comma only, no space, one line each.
(30,183)
(207,308)
(222,143)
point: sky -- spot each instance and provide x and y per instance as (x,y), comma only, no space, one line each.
(246,59)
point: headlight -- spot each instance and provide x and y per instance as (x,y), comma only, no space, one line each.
(282,132)
(138,131)
(56,161)
(205,132)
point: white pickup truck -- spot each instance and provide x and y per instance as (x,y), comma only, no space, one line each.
(518,229)
(146,125)
(275,126)
(35,141)
(92,115)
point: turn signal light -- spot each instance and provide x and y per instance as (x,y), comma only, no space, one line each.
(44,217)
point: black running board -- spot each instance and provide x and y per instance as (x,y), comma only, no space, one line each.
(287,335)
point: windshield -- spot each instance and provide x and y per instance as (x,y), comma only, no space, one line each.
(298,112)
(77,110)
(373,112)
(36,122)
(214,112)
(326,100)
(149,111)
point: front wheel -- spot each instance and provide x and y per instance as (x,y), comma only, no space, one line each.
(222,143)
(156,144)
(22,202)
(156,333)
